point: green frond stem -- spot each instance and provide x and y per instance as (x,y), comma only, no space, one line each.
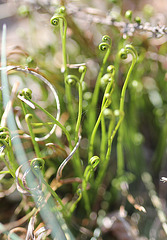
(54,121)
(103,127)
(90,154)
(80,105)
(2,158)
(120,156)
(93,163)
(92,114)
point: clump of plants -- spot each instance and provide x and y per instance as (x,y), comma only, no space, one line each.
(73,151)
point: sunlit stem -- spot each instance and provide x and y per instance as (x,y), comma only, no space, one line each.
(28,118)
(54,121)
(95,130)
(80,106)
(63,30)
(120,156)
(92,116)
(103,127)
(2,158)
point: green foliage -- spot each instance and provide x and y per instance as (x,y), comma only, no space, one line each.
(76,148)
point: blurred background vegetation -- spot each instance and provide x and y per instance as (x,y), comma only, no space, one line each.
(32,41)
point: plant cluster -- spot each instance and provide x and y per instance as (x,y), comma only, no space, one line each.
(74,149)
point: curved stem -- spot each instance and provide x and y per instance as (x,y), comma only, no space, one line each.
(105,103)
(63,164)
(63,31)
(111,134)
(92,114)
(36,146)
(94,132)
(120,167)
(2,157)
(103,139)
(93,162)
(54,120)
(103,127)
(80,107)
(120,157)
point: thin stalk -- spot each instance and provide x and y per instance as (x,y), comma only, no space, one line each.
(103,127)
(79,112)
(63,30)
(104,164)
(103,139)
(93,162)
(2,157)
(54,120)
(54,194)
(83,69)
(92,115)
(120,156)
(86,197)
(28,121)
(94,132)
(77,165)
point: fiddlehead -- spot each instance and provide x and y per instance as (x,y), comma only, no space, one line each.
(71,80)
(93,163)
(37,164)
(82,69)
(26,95)
(129,49)
(105,44)
(57,16)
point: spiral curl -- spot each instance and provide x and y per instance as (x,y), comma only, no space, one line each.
(126,50)
(93,162)
(56,18)
(37,164)
(4,138)
(25,96)
(71,80)
(26,92)
(82,69)
(59,14)
(111,69)
(105,44)
(28,117)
